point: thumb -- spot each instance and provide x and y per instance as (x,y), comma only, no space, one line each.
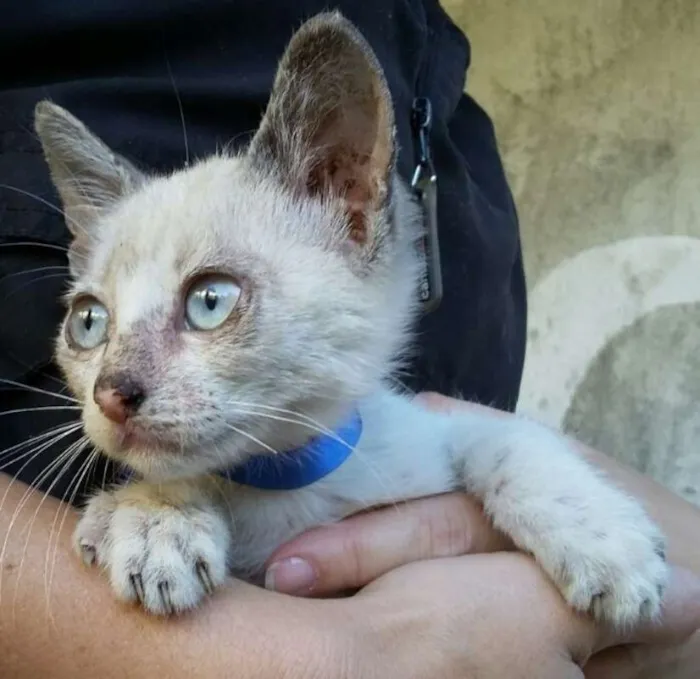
(358,550)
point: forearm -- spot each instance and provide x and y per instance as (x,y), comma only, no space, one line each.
(60,620)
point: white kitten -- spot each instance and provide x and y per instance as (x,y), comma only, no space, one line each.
(242,306)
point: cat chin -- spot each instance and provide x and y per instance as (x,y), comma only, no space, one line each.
(156,467)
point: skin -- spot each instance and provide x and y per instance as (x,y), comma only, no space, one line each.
(411,621)
(364,548)
(80,631)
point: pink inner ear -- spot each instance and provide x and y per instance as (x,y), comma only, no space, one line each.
(352,149)
(350,176)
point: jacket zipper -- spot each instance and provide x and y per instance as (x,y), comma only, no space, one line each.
(424,185)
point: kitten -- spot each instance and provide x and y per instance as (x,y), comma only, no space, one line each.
(251,302)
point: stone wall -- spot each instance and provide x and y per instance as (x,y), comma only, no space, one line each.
(597,108)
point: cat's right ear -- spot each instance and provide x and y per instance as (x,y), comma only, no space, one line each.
(89,177)
(329,126)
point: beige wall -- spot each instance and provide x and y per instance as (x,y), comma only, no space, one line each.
(597,108)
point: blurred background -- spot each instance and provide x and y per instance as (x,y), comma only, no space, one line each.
(597,110)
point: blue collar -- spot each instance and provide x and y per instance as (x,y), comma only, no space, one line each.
(301,467)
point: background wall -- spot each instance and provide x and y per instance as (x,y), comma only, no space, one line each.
(597,108)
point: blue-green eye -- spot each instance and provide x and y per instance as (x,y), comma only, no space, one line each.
(210,302)
(87,323)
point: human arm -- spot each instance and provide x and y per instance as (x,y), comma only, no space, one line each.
(412,624)
(59,620)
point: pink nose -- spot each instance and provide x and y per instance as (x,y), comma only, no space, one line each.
(118,398)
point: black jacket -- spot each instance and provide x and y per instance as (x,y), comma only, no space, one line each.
(117,63)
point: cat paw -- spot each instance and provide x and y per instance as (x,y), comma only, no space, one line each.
(616,571)
(165,558)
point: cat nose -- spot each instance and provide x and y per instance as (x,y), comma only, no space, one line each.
(118,397)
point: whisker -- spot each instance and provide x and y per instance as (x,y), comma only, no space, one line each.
(59,381)
(180,108)
(316,429)
(79,478)
(31,282)
(16,411)
(43,373)
(26,496)
(283,411)
(19,385)
(25,272)
(35,452)
(64,466)
(34,439)
(383,479)
(32,454)
(48,246)
(61,464)
(41,200)
(252,438)
(233,140)
(105,471)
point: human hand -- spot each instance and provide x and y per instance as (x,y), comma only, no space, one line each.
(501,604)
(498,615)
(364,548)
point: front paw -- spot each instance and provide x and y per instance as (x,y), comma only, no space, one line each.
(614,567)
(165,556)
(596,543)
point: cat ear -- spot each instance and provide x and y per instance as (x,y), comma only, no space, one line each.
(88,176)
(329,125)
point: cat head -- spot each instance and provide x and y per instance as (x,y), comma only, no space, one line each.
(235,306)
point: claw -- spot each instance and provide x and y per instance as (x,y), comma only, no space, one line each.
(137,587)
(204,576)
(88,552)
(164,590)
(646,610)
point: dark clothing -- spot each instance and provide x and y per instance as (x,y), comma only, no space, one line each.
(116,64)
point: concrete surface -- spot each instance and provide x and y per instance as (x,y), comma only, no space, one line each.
(597,108)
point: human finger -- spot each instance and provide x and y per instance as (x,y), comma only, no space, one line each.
(358,550)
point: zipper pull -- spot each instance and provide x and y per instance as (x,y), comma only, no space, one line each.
(424,185)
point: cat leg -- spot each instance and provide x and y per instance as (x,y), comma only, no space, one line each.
(596,543)
(164,547)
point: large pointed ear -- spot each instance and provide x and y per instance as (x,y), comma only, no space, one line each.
(89,177)
(329,125)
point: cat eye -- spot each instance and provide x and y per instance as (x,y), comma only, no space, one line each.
(87,323)
(210,302)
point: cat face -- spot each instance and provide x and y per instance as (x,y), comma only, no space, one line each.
(238,305)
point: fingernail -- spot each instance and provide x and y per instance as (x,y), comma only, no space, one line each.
(291,576)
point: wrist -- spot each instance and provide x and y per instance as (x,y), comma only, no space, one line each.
(331,646)
(266,636)
(349,643)
(386,639)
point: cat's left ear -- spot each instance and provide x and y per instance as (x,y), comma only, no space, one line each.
(89,177)
(329,125)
